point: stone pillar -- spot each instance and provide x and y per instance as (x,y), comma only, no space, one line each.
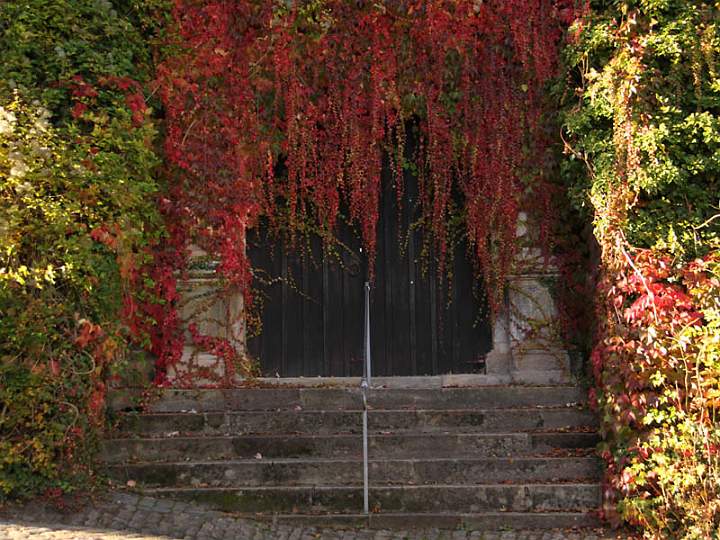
(215,313)
(498,362)
(526,344)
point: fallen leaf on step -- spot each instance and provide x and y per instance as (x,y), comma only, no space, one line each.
(131,483)
(258,456)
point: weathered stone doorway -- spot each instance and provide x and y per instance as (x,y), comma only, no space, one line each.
(312,300)
(311,306)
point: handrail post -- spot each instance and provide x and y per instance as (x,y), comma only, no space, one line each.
(366,487)
(368,363)
(365,385)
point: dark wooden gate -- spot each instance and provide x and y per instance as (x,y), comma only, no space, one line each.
(312,303)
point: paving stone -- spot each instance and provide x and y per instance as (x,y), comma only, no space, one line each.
(147,502)
(124,516)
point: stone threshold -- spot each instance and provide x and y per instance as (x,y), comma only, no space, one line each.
(419,382)
(425,382)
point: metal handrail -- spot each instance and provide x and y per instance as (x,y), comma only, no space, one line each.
(368,368)
(365,385)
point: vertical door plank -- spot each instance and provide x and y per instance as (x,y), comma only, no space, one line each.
(325,312)
(379,324)
(388,196)
(312,317)
(294,333)
(335,333)
(412,287)
(284,312)
(266,258)
(352,268)
(434,322)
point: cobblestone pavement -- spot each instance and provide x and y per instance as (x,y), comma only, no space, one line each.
(121,516)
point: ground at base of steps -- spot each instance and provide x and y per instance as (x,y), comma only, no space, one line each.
(120,516)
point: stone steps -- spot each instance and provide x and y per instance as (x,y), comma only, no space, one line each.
(390,445)
(350,398)
(483,457)
(436,498)
(483,521)
(348,421)
(348,472)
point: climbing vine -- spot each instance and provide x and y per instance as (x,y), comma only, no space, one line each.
(77,217)
(642,132)
(287,110)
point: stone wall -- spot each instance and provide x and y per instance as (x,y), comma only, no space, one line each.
(527,348)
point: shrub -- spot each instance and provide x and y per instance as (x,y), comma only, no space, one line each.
(77,211)
(642,131)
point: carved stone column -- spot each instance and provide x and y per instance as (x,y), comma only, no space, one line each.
(215,313)
(526,343)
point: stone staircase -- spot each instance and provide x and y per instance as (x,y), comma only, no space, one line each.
(486,458)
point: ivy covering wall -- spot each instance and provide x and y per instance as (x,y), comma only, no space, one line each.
(286,111)
(642,160)
(77,210)
(80,208)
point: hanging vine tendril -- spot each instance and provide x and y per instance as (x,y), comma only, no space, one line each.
(326,87)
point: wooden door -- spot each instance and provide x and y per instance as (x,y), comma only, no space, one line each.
(312,303)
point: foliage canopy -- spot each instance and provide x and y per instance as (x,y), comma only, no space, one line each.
(642,129)
(77,210)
